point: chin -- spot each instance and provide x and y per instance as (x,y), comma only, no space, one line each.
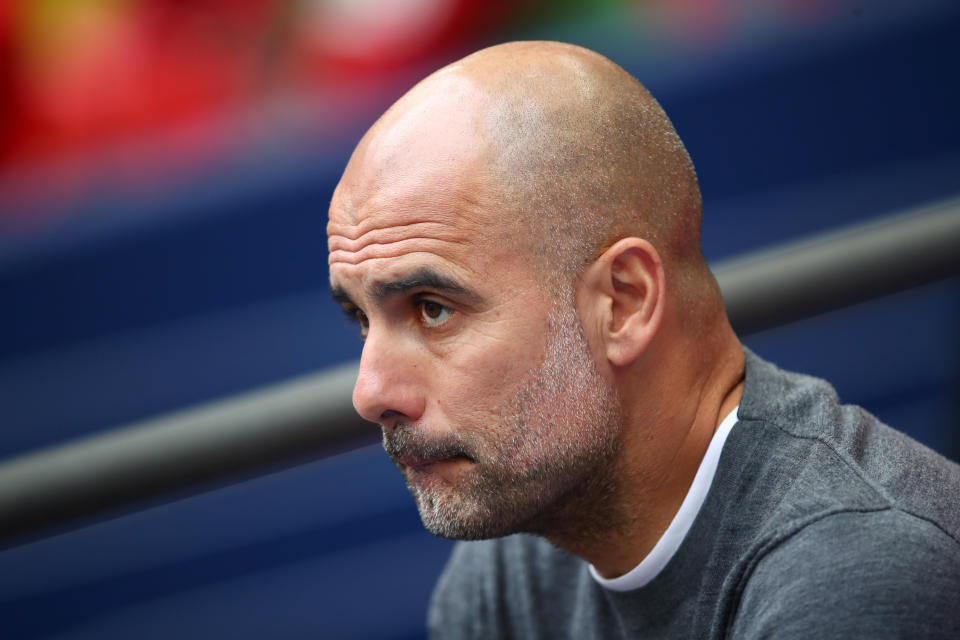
(448,515)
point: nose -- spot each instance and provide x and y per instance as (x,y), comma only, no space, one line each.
(388,389)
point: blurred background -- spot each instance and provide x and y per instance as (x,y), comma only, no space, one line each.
(165,170)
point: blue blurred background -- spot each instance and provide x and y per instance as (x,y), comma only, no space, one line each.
(165,169)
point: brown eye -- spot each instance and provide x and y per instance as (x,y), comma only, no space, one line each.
(361,319)
(432,313)
(356,315)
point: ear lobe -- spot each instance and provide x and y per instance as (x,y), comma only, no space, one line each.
(632,274)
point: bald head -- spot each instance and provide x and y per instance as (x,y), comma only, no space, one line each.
(563,150)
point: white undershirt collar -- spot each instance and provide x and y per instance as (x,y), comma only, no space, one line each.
(669,542)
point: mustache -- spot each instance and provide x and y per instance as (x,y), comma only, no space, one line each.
(403,442)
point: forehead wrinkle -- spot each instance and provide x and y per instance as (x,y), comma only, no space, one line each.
(373,282)
(386,234)
(394,232)
(451,198)
(397,249)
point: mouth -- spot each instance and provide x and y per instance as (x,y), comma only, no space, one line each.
(426,464)
(411,449)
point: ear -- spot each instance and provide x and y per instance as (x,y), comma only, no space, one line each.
(623,294)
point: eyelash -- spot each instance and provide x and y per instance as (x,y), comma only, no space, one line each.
(421,304)
(355,315)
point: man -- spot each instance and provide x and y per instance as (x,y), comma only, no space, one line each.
(547,353)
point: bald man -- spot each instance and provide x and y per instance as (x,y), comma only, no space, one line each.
(547,353)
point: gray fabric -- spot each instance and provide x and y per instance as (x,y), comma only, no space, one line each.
(821,523)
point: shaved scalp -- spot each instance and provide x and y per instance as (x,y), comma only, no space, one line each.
(585,155)
(574,154)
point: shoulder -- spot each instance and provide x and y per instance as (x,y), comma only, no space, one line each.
(841,455)
(459,605)
(495,588)
(879,574)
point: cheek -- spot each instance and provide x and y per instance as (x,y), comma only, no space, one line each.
(483,376)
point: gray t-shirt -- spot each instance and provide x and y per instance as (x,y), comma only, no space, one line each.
(821,523)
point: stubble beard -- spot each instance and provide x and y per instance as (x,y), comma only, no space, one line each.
(547,467)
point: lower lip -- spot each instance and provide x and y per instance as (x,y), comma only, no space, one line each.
(434,466)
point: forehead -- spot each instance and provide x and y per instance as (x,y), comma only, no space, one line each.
(394,232)
(418,190)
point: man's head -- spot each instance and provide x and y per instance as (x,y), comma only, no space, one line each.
(511,235)
(583,155)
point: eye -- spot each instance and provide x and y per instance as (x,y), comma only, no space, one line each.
(357,316)
(432,313)
(361,319)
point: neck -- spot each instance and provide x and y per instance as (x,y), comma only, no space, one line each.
(667,429)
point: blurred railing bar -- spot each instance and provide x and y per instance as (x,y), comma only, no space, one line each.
(798,280)
(194,449)
(306,418)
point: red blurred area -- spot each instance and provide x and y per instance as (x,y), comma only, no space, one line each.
(136,92)
(368,38)
(89,72)
(78,75)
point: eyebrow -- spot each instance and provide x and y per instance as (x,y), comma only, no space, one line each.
(423,278)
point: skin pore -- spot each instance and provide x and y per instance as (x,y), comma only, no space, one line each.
(545,349)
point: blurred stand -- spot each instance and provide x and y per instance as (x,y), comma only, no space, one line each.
(165,167)
(300,420)
(139,92)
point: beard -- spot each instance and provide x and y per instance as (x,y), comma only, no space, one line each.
(546,465)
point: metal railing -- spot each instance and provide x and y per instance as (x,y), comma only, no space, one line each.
(305,418)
